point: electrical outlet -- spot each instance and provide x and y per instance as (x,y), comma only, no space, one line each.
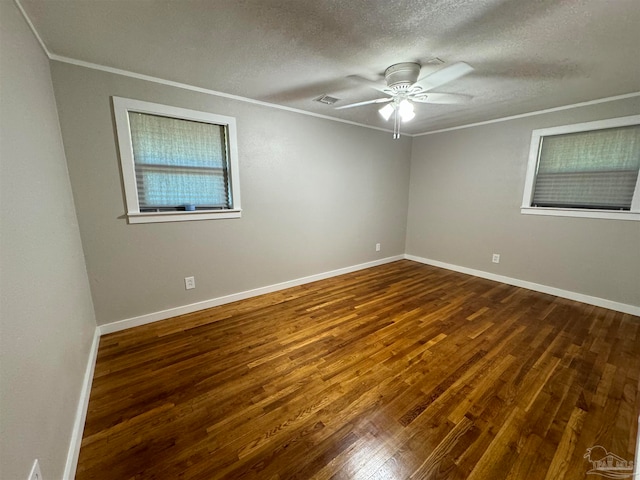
(377,247)
(189,283)
(495,258)
(35,474)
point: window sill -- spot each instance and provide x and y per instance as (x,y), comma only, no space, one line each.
(570,212)
(159,217)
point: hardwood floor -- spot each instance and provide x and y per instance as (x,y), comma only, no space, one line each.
(398,371)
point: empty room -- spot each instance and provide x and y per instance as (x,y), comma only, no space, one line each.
(278,239)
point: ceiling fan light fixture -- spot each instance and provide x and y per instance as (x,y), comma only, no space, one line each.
(405,109)
(405,87)
(408,116)
(386,111)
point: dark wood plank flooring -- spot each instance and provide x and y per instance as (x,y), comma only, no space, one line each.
(398,371)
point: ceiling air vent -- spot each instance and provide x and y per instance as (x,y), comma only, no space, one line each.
(434,61)
(326,99)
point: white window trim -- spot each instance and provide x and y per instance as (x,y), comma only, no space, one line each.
(121,108)
(534,152)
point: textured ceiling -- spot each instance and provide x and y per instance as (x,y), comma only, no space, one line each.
(527,54)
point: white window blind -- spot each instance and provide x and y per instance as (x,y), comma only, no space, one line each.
(179,162)
(595,169)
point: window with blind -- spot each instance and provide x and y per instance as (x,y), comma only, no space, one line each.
(590,169)
(177,164)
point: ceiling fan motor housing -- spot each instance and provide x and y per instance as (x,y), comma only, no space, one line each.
(401,76)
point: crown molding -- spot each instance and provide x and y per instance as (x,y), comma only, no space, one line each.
(95,66)
(193,88)
(33,29)
(534,113)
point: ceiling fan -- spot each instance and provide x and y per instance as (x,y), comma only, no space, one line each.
(403,87)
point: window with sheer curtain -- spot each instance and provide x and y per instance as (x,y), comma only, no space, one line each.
(591,168)
(177,164)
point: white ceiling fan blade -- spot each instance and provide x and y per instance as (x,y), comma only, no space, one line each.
(370,83)
(446,98)
(368,102)
(444,75)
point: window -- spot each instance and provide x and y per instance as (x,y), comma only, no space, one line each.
(177,164)
(585,170)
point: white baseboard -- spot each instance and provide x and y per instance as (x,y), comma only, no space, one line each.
(83,403)
(81,411)
(194,307)
(558,292)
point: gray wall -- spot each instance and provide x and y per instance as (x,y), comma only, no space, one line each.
(464,204)
(317,195)
(46,318)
